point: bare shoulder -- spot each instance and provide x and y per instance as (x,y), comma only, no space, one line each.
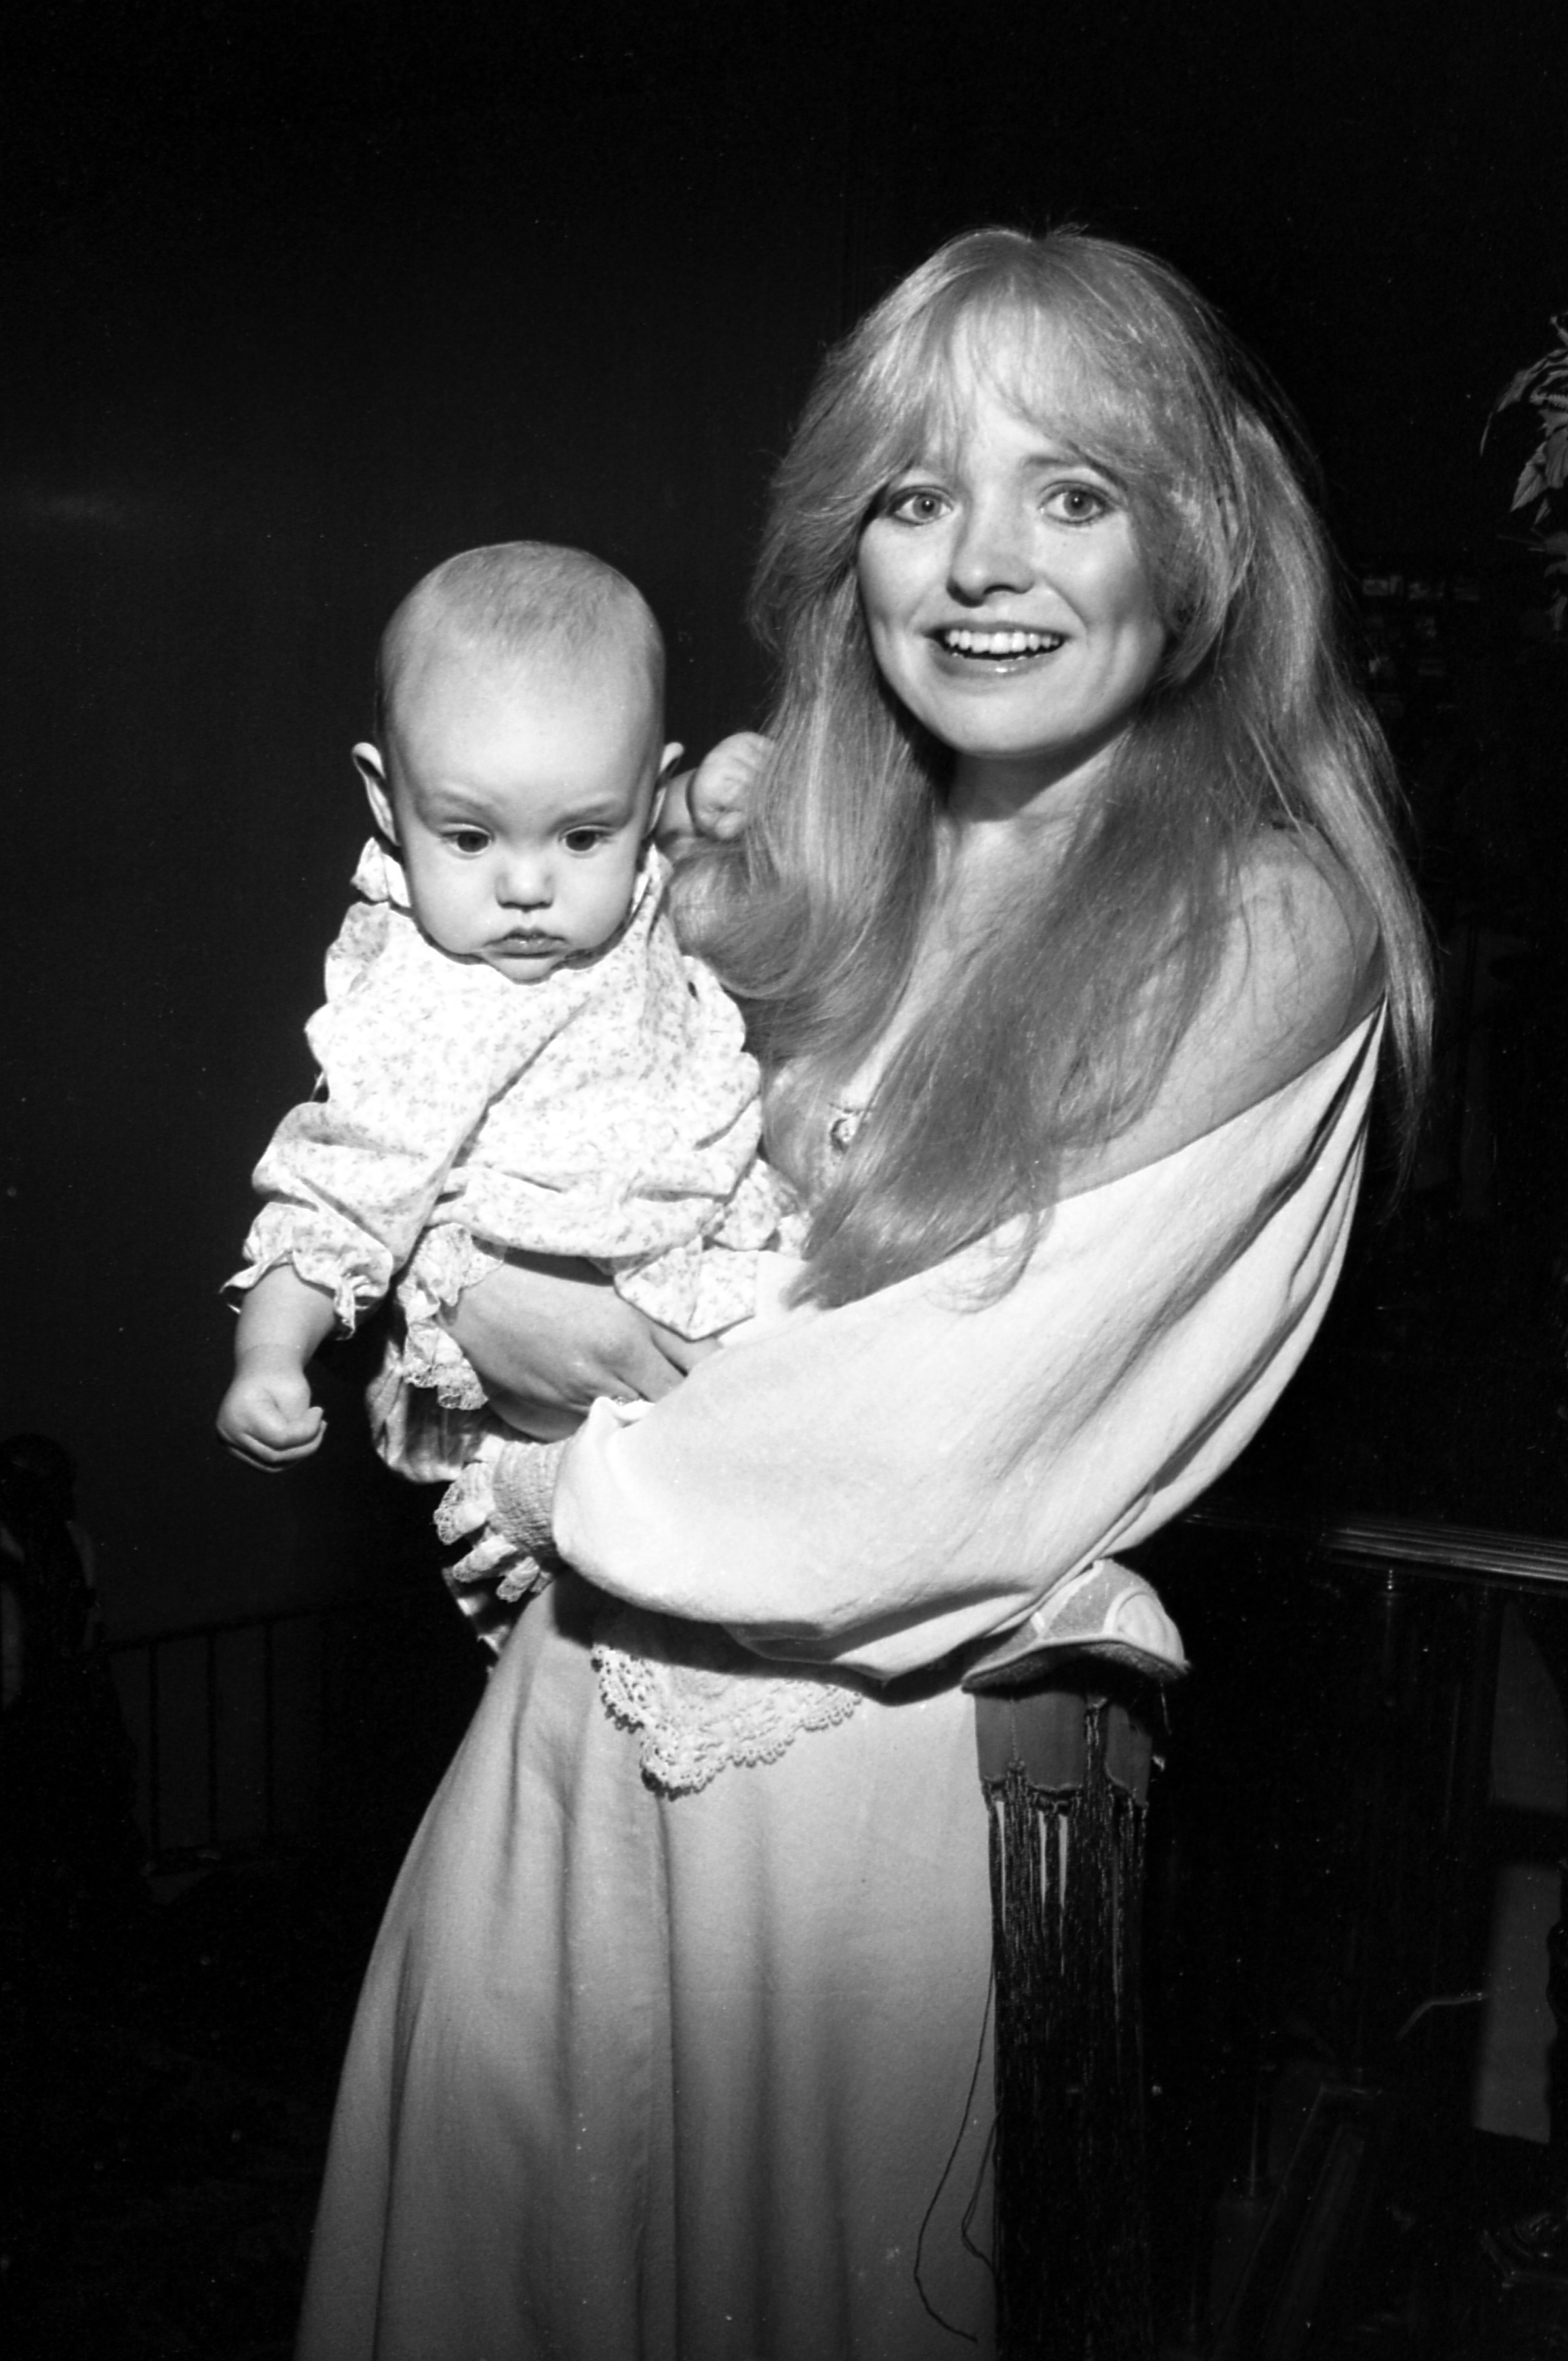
(1299,968)
(1304,964)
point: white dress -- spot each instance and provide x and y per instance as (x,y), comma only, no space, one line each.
(697,2072)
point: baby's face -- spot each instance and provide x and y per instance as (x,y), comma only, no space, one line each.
(518,800)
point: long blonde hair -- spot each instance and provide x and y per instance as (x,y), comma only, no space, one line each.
(1049,1038)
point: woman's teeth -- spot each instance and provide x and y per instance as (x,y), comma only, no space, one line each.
(1000,644)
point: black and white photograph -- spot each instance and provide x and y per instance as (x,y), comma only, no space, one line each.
(783,1181)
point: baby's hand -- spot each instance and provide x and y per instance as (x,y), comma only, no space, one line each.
(719,793)
(267,1417)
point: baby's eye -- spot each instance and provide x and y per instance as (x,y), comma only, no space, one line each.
(916,504)
(467,840)
(586,840)
(1078,503)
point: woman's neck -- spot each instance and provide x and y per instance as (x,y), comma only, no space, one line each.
(1027,795)
(985,851)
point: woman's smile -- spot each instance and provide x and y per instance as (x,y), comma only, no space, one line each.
(996,645)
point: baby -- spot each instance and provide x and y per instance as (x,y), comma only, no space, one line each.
(516,1054)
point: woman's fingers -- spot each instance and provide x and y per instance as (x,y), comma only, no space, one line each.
(548,1336)
(683,1352)
(719,790)
(643,1365)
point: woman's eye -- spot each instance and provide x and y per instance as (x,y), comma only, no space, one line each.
(916,504)
(584,840)
(1076,503)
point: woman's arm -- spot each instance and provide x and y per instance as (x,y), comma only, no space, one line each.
(875,1484)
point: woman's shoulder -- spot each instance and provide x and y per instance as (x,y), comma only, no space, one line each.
(1298,969)
(1306,950)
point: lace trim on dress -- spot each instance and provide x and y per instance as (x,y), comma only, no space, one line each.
(447,1260)
(700,1703)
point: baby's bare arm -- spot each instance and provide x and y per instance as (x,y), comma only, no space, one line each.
(267,1417)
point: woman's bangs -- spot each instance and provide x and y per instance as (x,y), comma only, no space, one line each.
(1034,359)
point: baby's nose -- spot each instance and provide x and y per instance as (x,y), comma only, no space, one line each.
(525,882)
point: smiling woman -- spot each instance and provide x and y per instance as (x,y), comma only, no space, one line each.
(1112,886)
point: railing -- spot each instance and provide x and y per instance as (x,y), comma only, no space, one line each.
(264,1734)
(1449,1552)
(225,1719)
(1404,1624)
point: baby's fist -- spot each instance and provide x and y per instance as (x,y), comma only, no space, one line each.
(268,1418)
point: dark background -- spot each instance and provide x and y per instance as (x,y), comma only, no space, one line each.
(299,298)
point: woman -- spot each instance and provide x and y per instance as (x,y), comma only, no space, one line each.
(1065,916)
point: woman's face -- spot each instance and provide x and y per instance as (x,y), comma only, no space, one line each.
(1009,608)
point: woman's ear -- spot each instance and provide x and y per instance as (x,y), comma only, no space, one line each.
(368,764)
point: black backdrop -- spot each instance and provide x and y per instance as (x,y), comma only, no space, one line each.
(298,296)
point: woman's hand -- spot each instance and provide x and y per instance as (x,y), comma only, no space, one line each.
(712,802)
(724,782)
(548,1336)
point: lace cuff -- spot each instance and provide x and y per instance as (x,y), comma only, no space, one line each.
(468,1510)
(436,1361)
(446,1261)
(353,1288)
(523,1483)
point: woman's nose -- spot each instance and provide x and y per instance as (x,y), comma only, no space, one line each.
(990,552)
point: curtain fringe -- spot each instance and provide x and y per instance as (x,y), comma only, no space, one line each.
(1065,1781)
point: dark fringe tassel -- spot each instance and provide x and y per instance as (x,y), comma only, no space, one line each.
(1065,1779)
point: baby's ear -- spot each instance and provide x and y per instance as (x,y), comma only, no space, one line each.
(368,764)
(667,760)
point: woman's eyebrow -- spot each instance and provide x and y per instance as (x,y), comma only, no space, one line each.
(1049,452)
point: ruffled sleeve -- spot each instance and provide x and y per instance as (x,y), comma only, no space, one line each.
(874,1486)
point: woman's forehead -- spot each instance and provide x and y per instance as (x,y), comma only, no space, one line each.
(1023,361)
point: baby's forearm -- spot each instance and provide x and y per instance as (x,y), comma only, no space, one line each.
(282,1321)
